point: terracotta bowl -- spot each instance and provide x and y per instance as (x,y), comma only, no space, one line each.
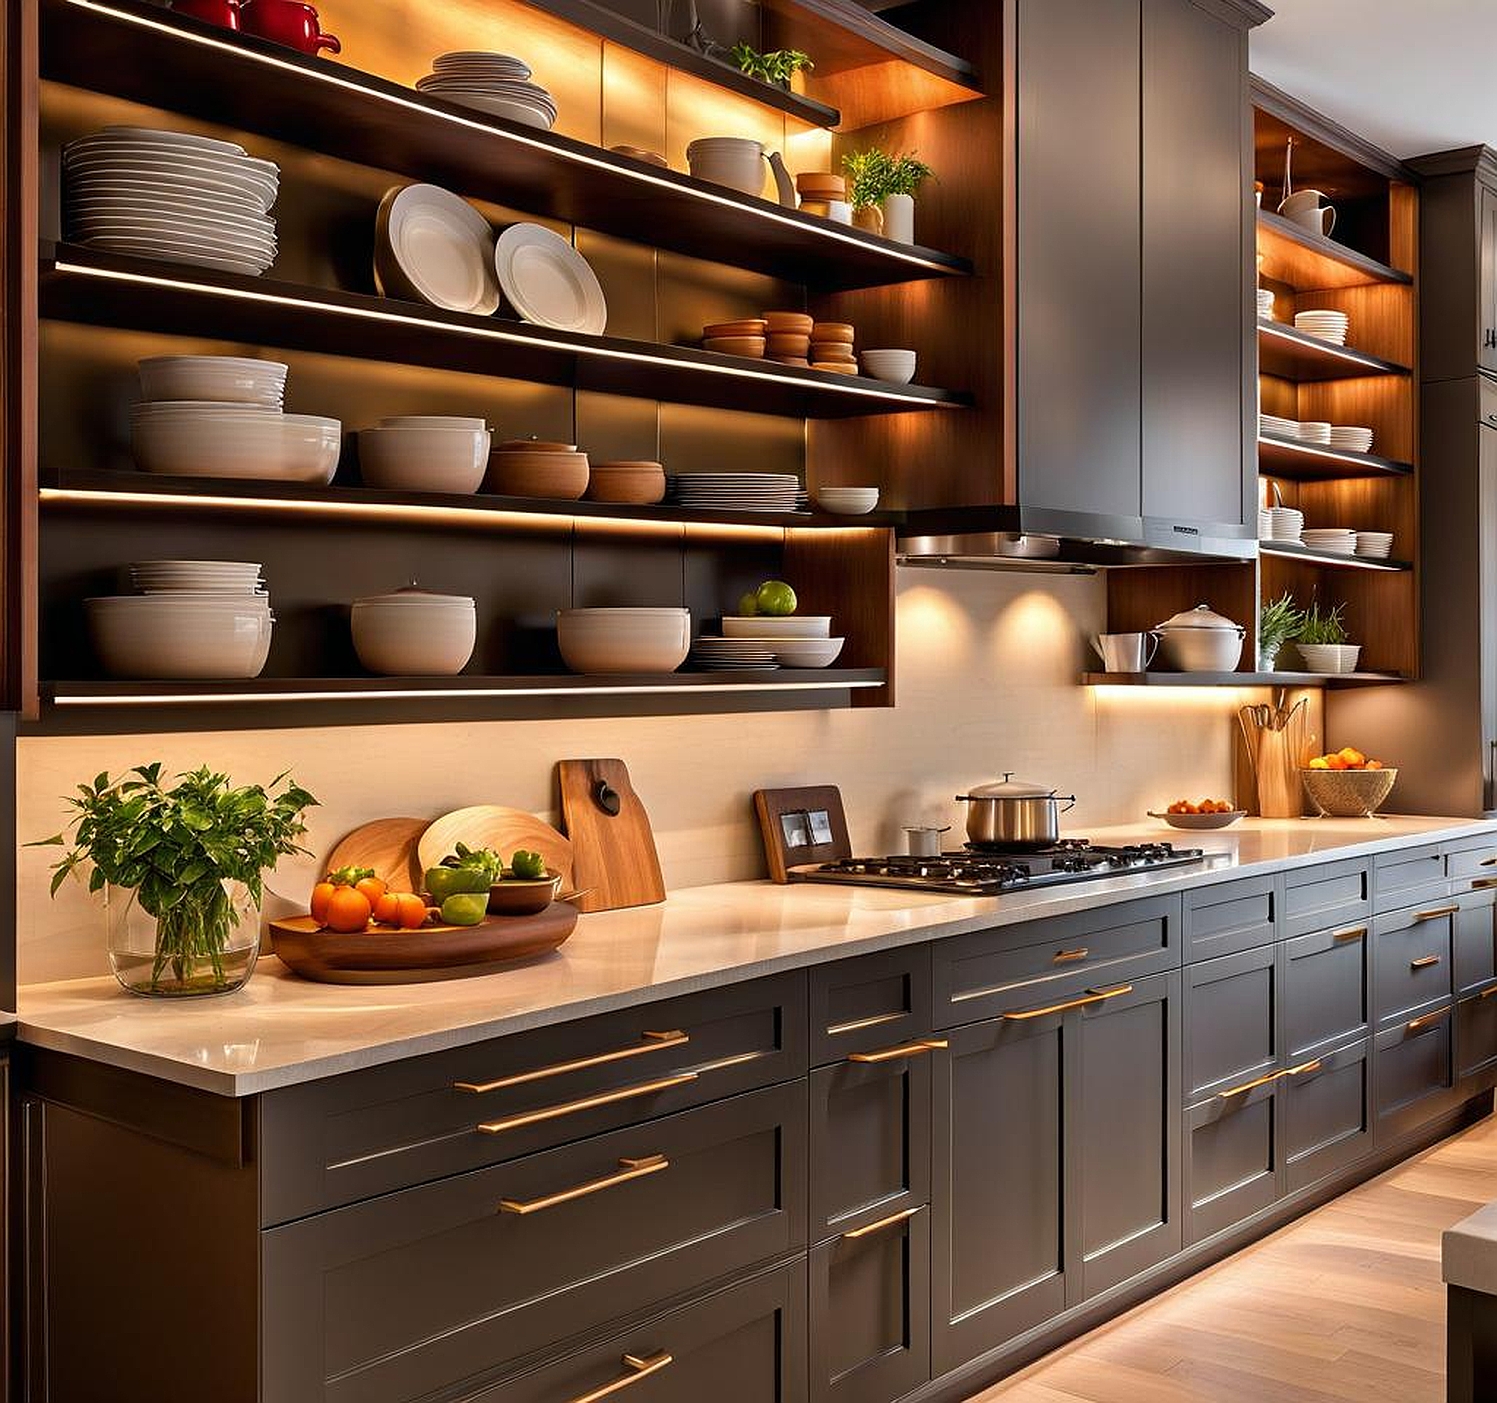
(789,323)
(561,477)
(751,346)
(640,484)
(515,896)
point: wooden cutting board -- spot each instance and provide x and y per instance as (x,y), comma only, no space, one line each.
(388,846)
(614,852)
(503,830)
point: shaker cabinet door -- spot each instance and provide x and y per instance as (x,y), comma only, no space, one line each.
(1488,347)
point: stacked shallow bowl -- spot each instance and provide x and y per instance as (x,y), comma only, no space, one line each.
(498,84)
(796,640)
(709,654)
(1375,545)
(1278,426)
(173,196)
(745,492)
(1324,325)
(200,620)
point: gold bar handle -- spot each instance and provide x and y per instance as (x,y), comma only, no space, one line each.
(651,1042)
(1424,962)
(640,1367)
(1305,1068)
(1349,933)
(893,1054)
(1436,913)
(587,1103)
(1488,861)
(1069,957)
(891,1221)
(1483,883)
(1418,1025)
(1094,996)
(1488,993)
(629,1170)
(1251,1085)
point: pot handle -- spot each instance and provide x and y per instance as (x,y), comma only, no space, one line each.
(1070,802)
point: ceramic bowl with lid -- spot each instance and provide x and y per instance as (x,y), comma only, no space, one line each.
(415,633)
(1200,640)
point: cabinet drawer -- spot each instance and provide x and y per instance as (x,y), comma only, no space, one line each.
(1327,989)
(870,1140)
(411,1293)
(1471,861)
(1476,1041)
(1229,917)
(346,1138)
(1231,1160)
(1327,1111)
(1411,953)
(990,973)
(870,1312)
(1331,894)
(742,1345)
(1230,1022)
(1415,1074)
(1475,939)
(1406,876)
(870,1003)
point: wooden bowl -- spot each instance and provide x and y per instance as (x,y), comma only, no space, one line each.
(751,346)
(639,484)
(533,445)
(834,331)
(789,323)
(832,350)
(517,896)
(1348,793)
(820,208)
(787,343)
(749,326)
(561,477)
(836,367)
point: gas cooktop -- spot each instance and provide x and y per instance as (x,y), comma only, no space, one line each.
(981,872)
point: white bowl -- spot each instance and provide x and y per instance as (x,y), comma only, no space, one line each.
(791,626)
(807,652)
(424,459)
(737,162)
(894,367)
(279,447)
(157,637)
(414,635)
(432,421)
(239,379)
(1330,658)
(638,641)
(847,501)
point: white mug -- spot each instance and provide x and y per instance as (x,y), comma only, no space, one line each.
(1126,652)
(1304,207)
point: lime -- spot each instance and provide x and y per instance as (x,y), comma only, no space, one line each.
(776,599)
(748,605)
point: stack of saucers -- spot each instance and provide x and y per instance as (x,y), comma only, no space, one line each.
(173,196)
(1351,438)
(732,655)
(1265,303)
(1273,424)
(1313,431)
(202,576)
(1332,540)
(498,84)
(1375,545)
(1284,524)
(746,492)
(1324,326)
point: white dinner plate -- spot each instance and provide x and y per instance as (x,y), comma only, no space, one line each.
(548,282)
(247,249)
(520,112)
(443,246)
(95,147)
(252,189)
(160,136)
(154,201)
(183,227)
(197,257)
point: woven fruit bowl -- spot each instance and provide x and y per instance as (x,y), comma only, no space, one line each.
(1348,793)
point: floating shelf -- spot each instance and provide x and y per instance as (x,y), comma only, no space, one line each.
(1286,551)
(1310,263)
(145,295)
(1315,462)
(150,55)
(1239,679)
(1293,355)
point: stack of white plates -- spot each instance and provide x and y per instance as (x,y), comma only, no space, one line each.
(200,576)
(1265,524)
(1324,326)
(171,195)
(1313,431)
(733,655)
(1273,424)
(746,492)
(1375,545)
(498,84)
(1351,438)
(1330,540)
(1284,523)
(181,634)
(1265,303)
(216,379)
(190,438)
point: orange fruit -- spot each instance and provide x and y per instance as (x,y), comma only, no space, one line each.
(348,910)
(387,909)
(322,893)
(1336,762)
(1374,765)
(371,889)
(1353,757)
(1320,763)
(413,912)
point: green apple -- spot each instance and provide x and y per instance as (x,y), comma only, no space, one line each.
(776,599)
(748,605)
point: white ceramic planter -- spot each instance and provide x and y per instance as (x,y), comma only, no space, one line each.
(899,218)
(1330,658)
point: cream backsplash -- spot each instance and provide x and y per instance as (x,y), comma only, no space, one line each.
(988,667)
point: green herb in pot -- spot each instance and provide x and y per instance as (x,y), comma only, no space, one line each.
(528,866)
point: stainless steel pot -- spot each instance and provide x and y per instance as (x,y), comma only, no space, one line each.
(1013,814)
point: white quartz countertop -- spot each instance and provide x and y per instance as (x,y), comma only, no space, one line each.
(281,1030)
(1468,1252)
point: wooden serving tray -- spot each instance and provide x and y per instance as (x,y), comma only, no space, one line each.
(383,956)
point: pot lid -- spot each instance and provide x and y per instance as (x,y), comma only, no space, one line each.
(1201,617)
(413,594)
(1011,788)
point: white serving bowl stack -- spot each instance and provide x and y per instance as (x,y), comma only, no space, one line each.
(624,641)
(1351,438)
(1330,540)
(807,652)
(214,379)
(778,627)
(415,633)
(891,366)
(1324,325)
(847,501)
(425,453)
(498,84)
(793,640)
(1284,524)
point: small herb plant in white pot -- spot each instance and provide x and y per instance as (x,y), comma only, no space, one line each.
(1322,641)
(882,189)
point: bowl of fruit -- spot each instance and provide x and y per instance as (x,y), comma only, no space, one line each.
(1208,813)
(1346,784)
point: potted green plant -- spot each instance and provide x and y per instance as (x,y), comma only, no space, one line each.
(882,189)
(182,872)
(778,66)
(1279,622)
(1323,641)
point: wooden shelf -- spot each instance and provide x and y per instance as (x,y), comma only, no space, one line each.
(1314,462)
(145,295)
(1239,679)
(149,55)
(1310,263)
(1290,354)
(1286,551)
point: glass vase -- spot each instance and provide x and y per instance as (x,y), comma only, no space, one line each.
(186,952)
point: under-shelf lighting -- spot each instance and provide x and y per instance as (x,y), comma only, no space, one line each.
(1319,451)
(1346,562)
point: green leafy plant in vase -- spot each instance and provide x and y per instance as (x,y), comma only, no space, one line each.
(1279,622)
(882,189)
(1323,640)
(182,870)
(778,66)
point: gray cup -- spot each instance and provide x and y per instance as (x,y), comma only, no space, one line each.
(1126,652)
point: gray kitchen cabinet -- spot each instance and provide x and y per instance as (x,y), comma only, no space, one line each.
(1475,939)
(1487,287)
(868,1003)
(1415,1073)
(1327,990)
(1230,1158)
(1325,1107)
(1408,876)
(1325,895)
(1230,916)
(1412,969)
(1476,1041)
(1231,1029)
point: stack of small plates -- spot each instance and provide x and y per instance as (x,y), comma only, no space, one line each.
(1351,438)
(1314,431)
(746,492)
(1273,424)
(173,196)
(498,84)
(1324,326)
(1265,303)
(1375,545)
(733,655)
(1330,540)
(1284,524)
(206,576)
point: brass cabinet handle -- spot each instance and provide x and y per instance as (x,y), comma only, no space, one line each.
(587,1103)
(1251,1085)
(1488,861)
(1435,914)
(1488,993)
(1418,1025)
(629,1170)
(893,1054)
(1424,962)
(1305,1068)
(889,1222)
(652,1042)
(1483,883)
(640,1366)
(1094,996)
(1069,957)
(1349,933)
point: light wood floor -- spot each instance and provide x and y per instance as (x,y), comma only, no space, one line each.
(1344,1304)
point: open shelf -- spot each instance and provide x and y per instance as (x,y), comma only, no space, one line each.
(1290,354)
(1316,462)
(1310,263)
(150,55)
(1287,551)
(139,294)
(1239,679)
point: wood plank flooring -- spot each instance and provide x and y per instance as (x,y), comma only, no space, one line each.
(1345,1304)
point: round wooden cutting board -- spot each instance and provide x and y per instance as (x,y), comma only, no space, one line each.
(503,830)
(389,846)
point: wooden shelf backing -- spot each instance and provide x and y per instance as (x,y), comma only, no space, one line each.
(1314,462)
(144,295)
(1309,263)
(146,54)
(1289,551)
(1239,679)
(1290,354)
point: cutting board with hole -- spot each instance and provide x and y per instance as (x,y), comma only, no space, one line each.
(503,830)
(613,846)
(388,845)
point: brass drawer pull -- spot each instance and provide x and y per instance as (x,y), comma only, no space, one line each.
(893,1054)
(1424,962)
(639,1366)
(892,1220)
(1435,914)
(629,1170)
(1483,883)
(1305,1068)
(1069,957)
(587,1103)
(1251,1085)
(1418,1025)
(1350,933)
(1488,993)
(1488,861)
(1094,996)
(652,1042)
